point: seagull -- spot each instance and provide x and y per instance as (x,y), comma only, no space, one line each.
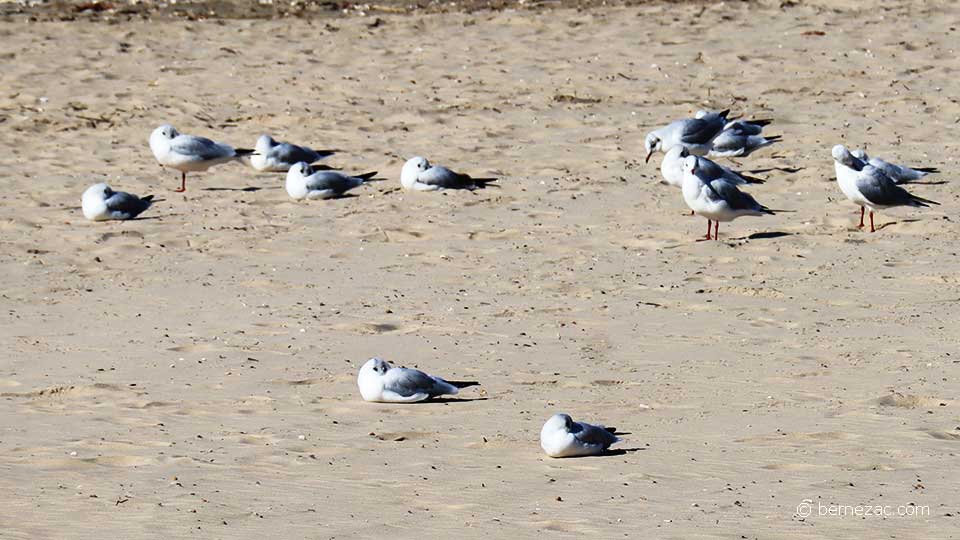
(736,142)
(418,175)
(900,174)
(672,169)
(749,127)
(716,199)
(696,134)
(304,183)
(187,153)
(379,381)
(274,156)
(562,437)
(869,187)
(101,203)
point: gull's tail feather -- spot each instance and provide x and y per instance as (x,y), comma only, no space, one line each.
(482,182)
(920,201)
(463,384)
(148,198)
(723,114)
(928,170)
(367,176)
(773,138)
(241,152)
(760,121)
(753,179)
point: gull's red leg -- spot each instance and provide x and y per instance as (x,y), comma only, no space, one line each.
(716,230)
(707,237)
(183,183)
(692,213)
(871,222)
(862,209)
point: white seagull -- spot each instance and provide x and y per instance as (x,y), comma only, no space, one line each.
(418,175)
(696,134)
(276,156)
(381,382)
(187,153)
(304,183)
(869,187)
(101,203)
(900,174)
(716,199)
(562,437)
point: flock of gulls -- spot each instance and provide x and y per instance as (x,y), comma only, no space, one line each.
(709,189)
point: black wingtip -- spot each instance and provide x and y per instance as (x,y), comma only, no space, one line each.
(724,113)
(483,182)
(753,179)
(244,151)
(928,170)
(367,176)
(148,198)
(774,138)
(760,122)
(923,202)
(464,384)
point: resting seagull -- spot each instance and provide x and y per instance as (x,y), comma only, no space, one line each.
(101,203)
(187,153)
(381,382)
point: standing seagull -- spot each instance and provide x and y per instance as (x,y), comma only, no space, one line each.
(696,134)
(275,156)
(187,153)
(716,199)
(304,183)
(379,381)
(869,186)
(101,203)
(418,175)
(900,174)
(562,437)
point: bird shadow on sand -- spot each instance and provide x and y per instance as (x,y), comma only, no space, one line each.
(453,400)
(928,183)
(765,235)
(248,188)
(616,452)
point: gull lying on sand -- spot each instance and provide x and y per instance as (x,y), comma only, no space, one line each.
(101,203)
(275,156)
(304,183)
(418,175)
(379,381)
(562,437)
(900,174)
(869,186)
(187,153)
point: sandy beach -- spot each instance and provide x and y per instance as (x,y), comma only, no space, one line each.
(192,374)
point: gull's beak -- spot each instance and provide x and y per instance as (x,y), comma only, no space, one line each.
(650,153)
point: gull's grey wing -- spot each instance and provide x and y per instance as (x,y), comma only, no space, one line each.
(880,189)
(701,131)
(291,153)
(901,174)
(593,435)
(127,206)
(444,177)
(738,200)
(332,180)
(200,147)
(408,382)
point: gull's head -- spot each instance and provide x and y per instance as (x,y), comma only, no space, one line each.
(376,366)
(860,154)
(558,422)
(690,165)
(264,143)
(842,155)
(301,168)
(411,171)
(99,191)
(166,131)
(700,114)
(652,144)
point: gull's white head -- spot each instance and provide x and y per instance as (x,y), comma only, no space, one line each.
(369,379)
(557,422)
(411,171)
(700,114)
(296,183)
(690,164)
(264,143)
(842,155)
(160,139)
(94,203)
(652,143)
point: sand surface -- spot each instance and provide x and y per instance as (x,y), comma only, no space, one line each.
(192,375)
